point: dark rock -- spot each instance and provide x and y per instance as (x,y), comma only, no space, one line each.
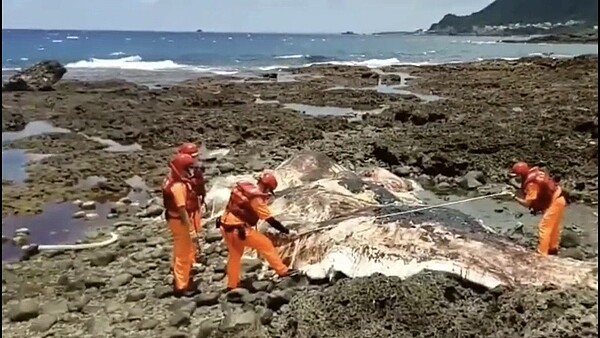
(569,239)
(93,281)
(40,77)
(55,308)
(220,267)
(184,306)
(471,180)
(239,320)
(121,279)
(170,333)
(262,286)
(402,171)
(237,295)
(148,324)
(102,258)
(78,304)
(251,264)
(212,236)
(207,299)
(179,318)
(163,291)
(226,167)
(277,299)
(98,326)
(23,310)
(266,316)
(43,323)
(135,296)
(206,328)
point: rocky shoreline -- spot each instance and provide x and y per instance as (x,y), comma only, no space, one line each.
(460,127)
(488,115)
(585,37)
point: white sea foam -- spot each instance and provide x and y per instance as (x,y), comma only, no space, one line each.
(116,54)
(476,42)
(72,37)
(294,56)
(136,63)
(372,63)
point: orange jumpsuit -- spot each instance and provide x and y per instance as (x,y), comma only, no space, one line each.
(549,228)
(254,239)
(184,249)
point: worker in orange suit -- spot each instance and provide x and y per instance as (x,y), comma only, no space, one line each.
(199,186)
(247,205)
(181,206)
(542,195)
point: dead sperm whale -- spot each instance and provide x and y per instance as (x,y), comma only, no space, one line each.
(366,232)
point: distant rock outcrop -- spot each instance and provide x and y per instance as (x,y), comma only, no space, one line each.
(505,12)
(39,77)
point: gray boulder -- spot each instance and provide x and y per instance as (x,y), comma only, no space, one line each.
(39,77)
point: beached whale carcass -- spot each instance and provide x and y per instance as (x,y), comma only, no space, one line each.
(365,230)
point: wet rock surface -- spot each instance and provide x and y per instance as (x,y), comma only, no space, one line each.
(40,77)
(92,293)
(492,113)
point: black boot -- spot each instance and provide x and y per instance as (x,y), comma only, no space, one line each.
(190,291)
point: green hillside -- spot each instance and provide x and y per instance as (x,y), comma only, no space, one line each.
(504,12)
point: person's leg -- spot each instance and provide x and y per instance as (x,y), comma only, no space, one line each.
(182,245)
(235,249)
(557,211)
(195,251)
(263,245)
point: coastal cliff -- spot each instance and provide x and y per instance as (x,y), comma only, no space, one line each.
(523,17)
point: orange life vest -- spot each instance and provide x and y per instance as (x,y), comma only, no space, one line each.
(239,202)
(546,185)
(191,203)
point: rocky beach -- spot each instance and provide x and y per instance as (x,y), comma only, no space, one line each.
(453,128)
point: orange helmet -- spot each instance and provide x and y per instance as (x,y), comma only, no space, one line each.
(268,181)
(520,168)
(189,149)
(182,165)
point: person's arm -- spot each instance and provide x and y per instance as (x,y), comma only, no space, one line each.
(180,196)
(531,193)
(262,211)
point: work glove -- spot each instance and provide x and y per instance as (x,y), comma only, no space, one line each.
(293,234)
(509,193)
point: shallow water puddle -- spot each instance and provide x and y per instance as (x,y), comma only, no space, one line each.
(393,90)
(140,191)
(14,161)
(55,225)
(505,215)
(329,111)
(113,146)
(34,128)
(14,164)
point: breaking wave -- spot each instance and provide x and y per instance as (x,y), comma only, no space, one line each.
(136,62)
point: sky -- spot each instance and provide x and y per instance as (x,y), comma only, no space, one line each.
(290,16)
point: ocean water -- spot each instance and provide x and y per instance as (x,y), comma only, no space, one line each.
(154,55)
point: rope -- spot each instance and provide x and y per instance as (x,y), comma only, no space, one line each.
(308,232)
(413,210)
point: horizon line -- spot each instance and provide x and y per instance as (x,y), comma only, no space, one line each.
(203,31)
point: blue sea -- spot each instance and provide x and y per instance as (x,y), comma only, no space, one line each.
(156,56)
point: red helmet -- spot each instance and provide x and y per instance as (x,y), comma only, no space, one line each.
(520,168)
(182,165)
(268,180)
(189,149)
